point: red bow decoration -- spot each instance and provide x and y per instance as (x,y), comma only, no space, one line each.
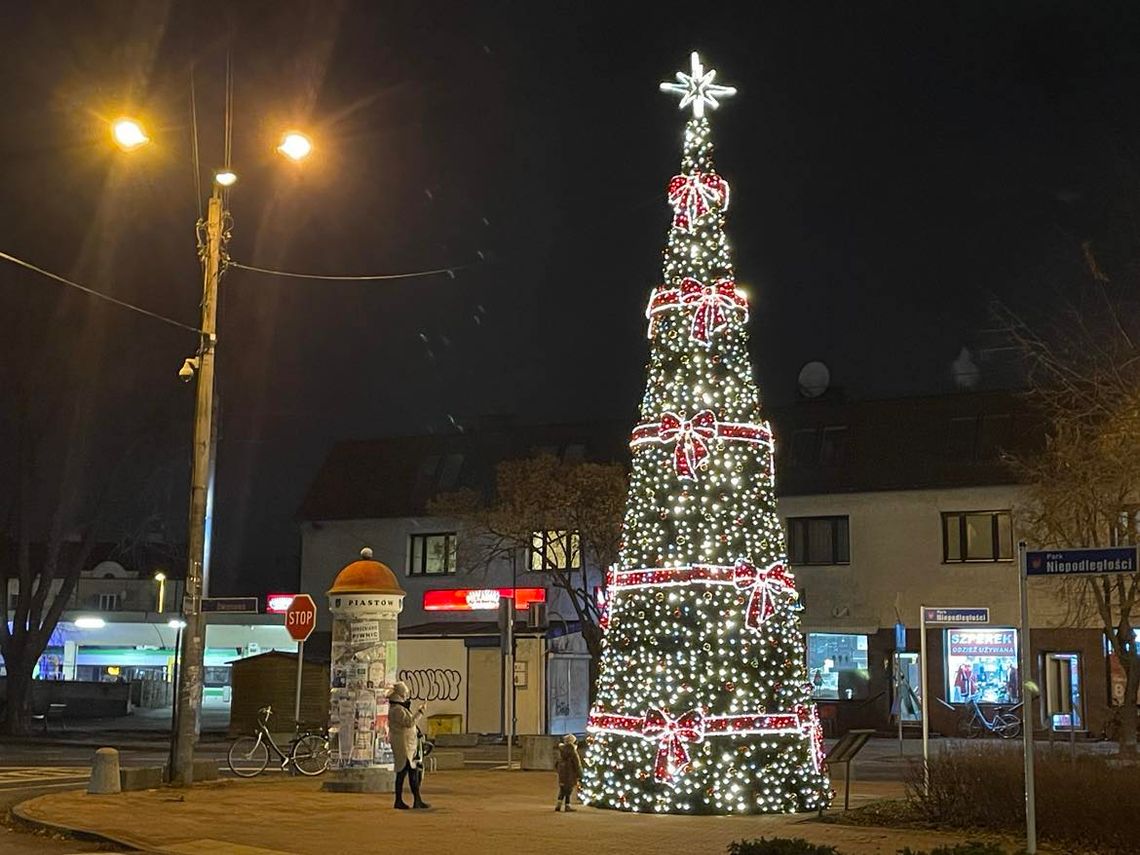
(693,196)
(692,437)
(673,736)
(712,302)
(765,585)
(809,716)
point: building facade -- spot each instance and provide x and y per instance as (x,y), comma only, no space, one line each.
(121,625)
(888,506)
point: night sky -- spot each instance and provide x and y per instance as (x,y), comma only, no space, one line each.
(894,168)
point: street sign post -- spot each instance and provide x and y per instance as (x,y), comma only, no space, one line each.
(1054,562)
(900,646)
(1068,562)
(300,621)
(1026,677)
(937,616)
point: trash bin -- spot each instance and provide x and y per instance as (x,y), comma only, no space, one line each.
(538,751)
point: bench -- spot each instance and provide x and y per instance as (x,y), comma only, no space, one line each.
(50,713)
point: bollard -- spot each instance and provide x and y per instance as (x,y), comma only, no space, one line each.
(104,773)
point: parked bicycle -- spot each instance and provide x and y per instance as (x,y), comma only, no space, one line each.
(308,752)
(1005,722)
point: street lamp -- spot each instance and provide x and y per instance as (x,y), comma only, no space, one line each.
(128,134)
(160,577)
(295,146)
(191,644)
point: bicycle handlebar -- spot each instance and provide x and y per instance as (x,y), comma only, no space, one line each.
(265,712)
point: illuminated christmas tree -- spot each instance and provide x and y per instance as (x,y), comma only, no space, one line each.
(703,702)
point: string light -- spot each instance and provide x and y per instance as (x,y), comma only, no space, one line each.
(703,703)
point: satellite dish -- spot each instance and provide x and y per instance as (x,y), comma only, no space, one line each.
(814,379)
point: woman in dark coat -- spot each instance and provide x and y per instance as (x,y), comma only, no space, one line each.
(569,766)
(405,748)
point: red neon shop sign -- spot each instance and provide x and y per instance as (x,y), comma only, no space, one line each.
(480,599)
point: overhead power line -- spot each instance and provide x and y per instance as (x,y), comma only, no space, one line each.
(369,277)
(121,303)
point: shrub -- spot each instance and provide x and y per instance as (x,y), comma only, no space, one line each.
(779,846)
(1086,801)
(974,847)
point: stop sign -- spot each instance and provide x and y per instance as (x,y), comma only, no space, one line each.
(301,617)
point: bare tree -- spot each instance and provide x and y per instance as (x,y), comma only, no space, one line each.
(45,569)
(581,502)
(1084,485)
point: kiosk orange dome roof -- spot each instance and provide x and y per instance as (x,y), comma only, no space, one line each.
(366,576)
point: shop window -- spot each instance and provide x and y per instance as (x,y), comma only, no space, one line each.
(981,664)
(977,536)
(1063,691)
(555,550)
(838,665)
(819,540)
(431,554)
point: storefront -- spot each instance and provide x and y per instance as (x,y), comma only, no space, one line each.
(981,664)
(113,649)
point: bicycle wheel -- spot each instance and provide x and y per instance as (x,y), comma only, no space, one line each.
(1007,726)
(311,754)
(248,757)
(969,728)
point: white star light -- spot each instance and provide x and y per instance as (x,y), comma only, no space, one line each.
(698,88)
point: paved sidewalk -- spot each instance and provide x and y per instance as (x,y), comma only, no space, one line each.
(474,812)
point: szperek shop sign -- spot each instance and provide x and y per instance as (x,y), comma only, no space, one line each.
(983,642)
(1063,562)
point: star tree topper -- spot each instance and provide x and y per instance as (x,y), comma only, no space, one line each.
(697,88)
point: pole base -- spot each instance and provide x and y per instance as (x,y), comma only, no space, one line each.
(363,780)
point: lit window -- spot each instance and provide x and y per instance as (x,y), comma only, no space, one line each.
(977,536)
(981,664)
(555,550)
(109,602)
(431,554)
(838,666)
(819,540)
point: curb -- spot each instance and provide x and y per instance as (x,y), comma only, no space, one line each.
(72,832)
(121,744)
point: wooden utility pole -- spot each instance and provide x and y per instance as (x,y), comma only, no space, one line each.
(190,673)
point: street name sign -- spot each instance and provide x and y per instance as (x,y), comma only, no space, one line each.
(955,615)
(1066,562)
(229,605)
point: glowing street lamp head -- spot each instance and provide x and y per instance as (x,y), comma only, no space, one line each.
(160,576)
(128,134)
(225,177)
(295,146)
(176,623)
